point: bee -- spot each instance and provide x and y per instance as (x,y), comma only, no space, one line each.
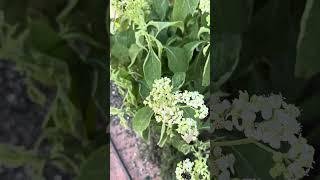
(186,176)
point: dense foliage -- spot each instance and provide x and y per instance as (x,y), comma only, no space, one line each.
(264,61)
(60,45)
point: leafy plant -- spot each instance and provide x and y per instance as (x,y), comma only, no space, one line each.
(166,49)
(55,44)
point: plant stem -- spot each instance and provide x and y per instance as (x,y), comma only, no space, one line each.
(244,141)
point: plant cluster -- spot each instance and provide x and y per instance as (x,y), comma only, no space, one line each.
(160,60)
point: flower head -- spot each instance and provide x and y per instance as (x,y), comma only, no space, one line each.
(168,108)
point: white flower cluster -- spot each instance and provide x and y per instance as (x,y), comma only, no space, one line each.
(272,121)
(204,6)
(194,100)
(222,164)
(167,106)
(296,163)
(133,11)
(188,129)
(268,119)
(184,170)
(195,170)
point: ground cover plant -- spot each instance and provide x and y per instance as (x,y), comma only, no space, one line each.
(252,116)
(60,45)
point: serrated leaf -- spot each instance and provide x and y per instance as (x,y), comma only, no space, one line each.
(308,51)
(183,8)
(151,68)
(142,120)
(178,80)
(177,60)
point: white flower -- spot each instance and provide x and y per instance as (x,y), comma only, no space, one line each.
(167,106)
(188,129)
(185,169)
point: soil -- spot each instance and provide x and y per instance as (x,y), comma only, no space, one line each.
(21,121)
(137,156)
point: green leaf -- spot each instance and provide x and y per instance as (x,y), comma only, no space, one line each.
(14,156)
(308,51)
(177,60)
(42,36)
(34,93)
(178,80)
(143,89)
(206,73)
(190,47)
(121,53)
(151,68)
(142,120)
(182,8)
(162,25)
(203,30)
(161,7)
(188,112)
(226,53)
(163,136)
(96,166)
(133,51)
(177,142)
(248,162)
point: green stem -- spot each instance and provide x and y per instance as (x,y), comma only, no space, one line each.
(244,141)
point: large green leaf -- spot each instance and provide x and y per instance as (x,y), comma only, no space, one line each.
(308,54)
(226,51)
(182,8)
(190,47)
(249,160)
(152,68)
(177,60)
(161,7)
(162,25)
(142,120)
(96,166)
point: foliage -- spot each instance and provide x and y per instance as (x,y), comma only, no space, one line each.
(60,45)
(266,49)
(156,58)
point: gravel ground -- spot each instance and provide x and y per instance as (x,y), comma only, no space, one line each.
(135,153)
(21,120)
